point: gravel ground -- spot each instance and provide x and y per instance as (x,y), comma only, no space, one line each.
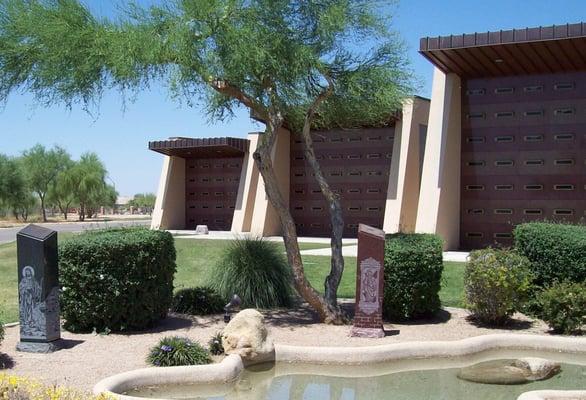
(88,358)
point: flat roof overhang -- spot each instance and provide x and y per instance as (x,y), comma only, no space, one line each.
(541,50)
(201,147)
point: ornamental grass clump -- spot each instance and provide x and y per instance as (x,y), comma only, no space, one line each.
(177,351)
(198,301)
(257,271)
(215,344)
(497,283)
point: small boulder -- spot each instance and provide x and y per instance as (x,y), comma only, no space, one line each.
(247,336)
(510,372)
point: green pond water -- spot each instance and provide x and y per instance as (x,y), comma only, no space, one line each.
(404,380)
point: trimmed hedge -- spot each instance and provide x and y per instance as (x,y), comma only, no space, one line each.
(413,271)
(557,252)
(116,280)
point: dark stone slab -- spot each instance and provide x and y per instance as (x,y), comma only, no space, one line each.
(368,320)
(38,289)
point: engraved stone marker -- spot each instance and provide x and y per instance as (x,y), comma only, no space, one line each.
(368,321)
(38,289)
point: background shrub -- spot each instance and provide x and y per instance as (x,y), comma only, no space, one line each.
(257,271)
(198,301)
(563,306)
(496,283)
(116,280)
(413,271)
(176,351)
(557,252)
(215,344)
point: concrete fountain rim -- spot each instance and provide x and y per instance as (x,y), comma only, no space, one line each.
(230,368)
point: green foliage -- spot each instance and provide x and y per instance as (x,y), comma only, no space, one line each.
(557,252)
(413,270)
(563,306)
(255,270)
(41,167)
(144,201)
(198,301)
(2,331)
(497,283)
(15,194)
(273,53)
(118,280)
(215,344)
(173,351)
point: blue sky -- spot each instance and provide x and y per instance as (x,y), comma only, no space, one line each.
(120,136)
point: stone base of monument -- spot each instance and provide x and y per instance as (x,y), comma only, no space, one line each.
(374,333)
(201,230)
(36,347)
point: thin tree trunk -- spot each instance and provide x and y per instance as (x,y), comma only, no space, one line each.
(333,199)
(328,312)
(42,198)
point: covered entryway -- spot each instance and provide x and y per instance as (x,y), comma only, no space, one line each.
(212,175)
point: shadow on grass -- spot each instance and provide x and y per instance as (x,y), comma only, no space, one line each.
(6,362)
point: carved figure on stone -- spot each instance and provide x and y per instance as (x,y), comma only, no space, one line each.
(369,296)
(30,302)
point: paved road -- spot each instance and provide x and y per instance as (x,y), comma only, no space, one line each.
(9,234)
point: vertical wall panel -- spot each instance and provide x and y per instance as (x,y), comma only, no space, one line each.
(523,154)
(356,163)
(211,188)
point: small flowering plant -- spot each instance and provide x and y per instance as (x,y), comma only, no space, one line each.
(176,351)
(215,344)
(18,388)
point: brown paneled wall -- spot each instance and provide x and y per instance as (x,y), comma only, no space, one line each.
(211,187)
(523,154)
(356,163)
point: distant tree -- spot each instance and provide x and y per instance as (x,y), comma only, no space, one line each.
(105,197)
(62,192)
(41,167)
(86,180)
(297,63)
(15,195)
(144,201)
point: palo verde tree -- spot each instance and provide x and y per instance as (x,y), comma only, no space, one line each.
(41,168)
(303,64)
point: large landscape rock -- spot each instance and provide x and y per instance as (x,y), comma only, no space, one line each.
(247,336)
(510,372)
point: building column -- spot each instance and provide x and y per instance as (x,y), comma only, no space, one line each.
(406,161)
(265,221)
(439,198)
(169,211)
(247,188)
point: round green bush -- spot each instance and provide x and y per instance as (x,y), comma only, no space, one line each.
(174,351)
(413,271)
(198,301)
(116,280)
(215,344)
(563,306)
(497,283)
(257,271)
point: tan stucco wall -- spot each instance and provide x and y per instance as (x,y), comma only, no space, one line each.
(404,175)
(439,199)
(247,189)
(169,211)
(265,221)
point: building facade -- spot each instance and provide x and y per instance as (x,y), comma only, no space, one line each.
(507,133)
(215,182)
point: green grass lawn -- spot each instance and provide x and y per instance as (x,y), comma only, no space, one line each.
(195,262)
